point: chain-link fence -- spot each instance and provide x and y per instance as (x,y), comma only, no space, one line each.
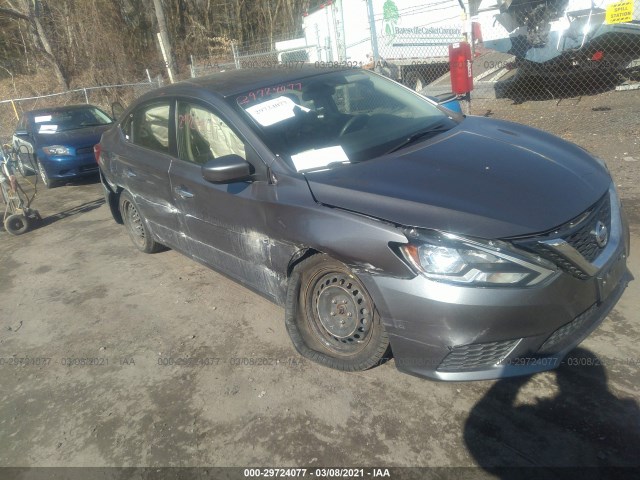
(102,96)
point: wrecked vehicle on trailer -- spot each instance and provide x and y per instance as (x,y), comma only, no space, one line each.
(381,222)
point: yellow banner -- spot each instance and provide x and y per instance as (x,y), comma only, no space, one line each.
(619,12)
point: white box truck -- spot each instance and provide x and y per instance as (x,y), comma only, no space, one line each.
(406,39)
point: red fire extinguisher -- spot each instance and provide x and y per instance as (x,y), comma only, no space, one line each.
(460,65)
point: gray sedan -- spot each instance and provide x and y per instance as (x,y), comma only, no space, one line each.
(468,248)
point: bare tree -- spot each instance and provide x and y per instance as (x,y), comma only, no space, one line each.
(29,11)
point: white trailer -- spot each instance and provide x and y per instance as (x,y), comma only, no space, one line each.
(406,39)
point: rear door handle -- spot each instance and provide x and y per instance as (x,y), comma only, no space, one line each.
(183,192)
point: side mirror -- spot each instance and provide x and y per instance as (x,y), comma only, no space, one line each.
(116,110)
(226,169)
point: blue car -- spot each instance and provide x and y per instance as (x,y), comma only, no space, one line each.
(446,100)
(57,143)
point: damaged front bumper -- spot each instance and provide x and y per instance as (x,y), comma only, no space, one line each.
(454,333)
(457,332)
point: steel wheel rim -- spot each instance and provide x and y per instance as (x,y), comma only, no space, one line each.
(134,223)
(341,313)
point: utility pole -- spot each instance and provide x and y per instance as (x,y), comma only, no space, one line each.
(163,37)
(374,36)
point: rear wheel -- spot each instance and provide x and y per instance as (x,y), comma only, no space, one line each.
(137,226)
(331,318)
(16,224)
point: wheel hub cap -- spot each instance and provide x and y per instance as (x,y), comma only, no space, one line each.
(338,312)
(343,315)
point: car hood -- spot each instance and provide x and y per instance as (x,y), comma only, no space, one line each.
(485,178)
(81,137)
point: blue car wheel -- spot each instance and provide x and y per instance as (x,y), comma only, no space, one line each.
(43,175)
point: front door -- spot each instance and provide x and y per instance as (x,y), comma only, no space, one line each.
(225,222)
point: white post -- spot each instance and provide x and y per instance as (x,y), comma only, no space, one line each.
(236,60)
(164,56)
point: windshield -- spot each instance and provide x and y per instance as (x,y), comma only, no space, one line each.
(338,117)
(72,119)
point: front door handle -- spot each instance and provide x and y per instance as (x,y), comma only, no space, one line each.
(129,173)
(183,192)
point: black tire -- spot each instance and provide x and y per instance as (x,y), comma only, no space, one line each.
(331,318)
(415,81)
(16,224)
(136,225)
(43,175)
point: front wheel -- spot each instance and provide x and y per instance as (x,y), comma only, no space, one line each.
(415,81)
(45,178)
(331,318)
(136,225)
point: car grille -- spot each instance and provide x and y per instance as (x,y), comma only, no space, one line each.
(83,150)
(579,235)
(568,330)
(550,254)
(583,239)
(477,355)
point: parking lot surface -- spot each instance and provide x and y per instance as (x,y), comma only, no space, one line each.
(110,357)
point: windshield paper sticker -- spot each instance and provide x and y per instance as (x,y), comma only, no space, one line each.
(273,111)
(42,118)
(48,128)
(319,158)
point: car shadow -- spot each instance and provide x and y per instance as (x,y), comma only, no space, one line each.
(583,431)
(79,181)
(70,212)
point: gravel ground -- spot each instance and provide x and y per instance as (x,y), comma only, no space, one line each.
(75,288)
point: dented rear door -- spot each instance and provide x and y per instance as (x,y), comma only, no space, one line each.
(142,162)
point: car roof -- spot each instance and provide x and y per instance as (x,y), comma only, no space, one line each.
(64,108)
(233,82)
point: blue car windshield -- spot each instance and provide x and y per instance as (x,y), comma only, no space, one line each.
(338,118)
(57,121)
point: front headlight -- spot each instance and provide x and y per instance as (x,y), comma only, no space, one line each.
(57,150)
(453,259)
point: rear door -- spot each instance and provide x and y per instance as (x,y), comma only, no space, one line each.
(226,223)
(142,167)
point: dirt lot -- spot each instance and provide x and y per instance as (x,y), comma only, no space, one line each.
(76,288)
